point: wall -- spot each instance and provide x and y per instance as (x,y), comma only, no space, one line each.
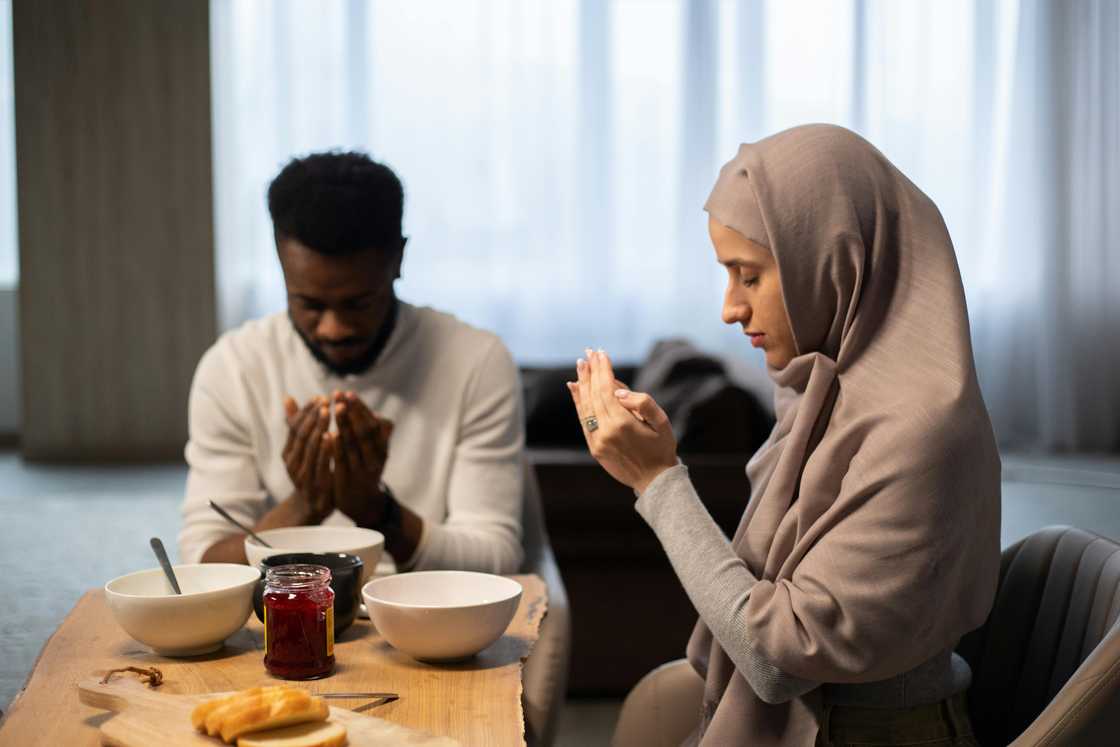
(9,368)
(115,222)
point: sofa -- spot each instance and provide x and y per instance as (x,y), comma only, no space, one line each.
(629,612)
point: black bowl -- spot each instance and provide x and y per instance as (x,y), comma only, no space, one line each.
(346,581)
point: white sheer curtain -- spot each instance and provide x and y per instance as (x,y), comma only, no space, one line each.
(556,154)
(1046,276)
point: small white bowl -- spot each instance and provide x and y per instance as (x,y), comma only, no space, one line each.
(216,601)
(441,616)
(367,544)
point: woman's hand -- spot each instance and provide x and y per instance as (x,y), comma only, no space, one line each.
(629,434)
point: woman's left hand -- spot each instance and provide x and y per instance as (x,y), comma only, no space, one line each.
(627,432)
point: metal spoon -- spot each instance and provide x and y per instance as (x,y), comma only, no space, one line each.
(238,524)
(157,547)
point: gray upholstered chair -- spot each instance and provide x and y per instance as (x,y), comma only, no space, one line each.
(1046,664)
(546,670)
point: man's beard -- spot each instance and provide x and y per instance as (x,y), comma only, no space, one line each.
(355,366)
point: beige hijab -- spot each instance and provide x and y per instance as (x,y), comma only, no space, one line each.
(873,523)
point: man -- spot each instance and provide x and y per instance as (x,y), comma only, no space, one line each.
(355,407)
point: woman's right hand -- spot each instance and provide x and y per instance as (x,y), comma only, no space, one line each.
(632,438)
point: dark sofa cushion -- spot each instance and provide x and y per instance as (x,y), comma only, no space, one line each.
(713,411)
(550,418)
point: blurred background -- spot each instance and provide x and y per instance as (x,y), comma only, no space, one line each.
(555,156)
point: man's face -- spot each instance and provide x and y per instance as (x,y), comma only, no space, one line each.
(338,304)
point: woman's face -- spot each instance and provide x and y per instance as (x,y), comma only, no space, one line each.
(753,299)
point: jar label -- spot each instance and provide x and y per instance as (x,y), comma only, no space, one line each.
(330,631)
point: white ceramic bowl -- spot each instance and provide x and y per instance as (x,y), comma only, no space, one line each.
(441,616)
(367,544)
(216,601)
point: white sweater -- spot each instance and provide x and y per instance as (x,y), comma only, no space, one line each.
(451,391)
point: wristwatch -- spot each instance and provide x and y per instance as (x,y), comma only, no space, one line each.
(391,518)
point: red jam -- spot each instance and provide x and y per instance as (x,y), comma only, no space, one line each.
(298,622)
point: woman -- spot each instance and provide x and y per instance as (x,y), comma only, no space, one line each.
(870,543)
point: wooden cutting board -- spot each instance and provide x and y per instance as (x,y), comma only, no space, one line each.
(145,716)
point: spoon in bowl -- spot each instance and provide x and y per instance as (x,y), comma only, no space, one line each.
(161,554)
(238,524)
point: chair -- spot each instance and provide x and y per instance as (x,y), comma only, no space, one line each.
(545,676)
(1045,665)
(663,709)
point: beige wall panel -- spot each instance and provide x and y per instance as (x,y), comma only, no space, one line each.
(115,212)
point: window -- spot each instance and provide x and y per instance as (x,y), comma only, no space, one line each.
(556,155)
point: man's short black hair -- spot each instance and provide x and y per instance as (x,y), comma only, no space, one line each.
(337,203)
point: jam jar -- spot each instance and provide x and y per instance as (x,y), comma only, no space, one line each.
(298,622)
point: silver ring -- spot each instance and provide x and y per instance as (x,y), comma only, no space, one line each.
(592,423)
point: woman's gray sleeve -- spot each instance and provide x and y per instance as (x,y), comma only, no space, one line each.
(716,579)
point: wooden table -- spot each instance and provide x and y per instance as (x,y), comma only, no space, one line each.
(477,702)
